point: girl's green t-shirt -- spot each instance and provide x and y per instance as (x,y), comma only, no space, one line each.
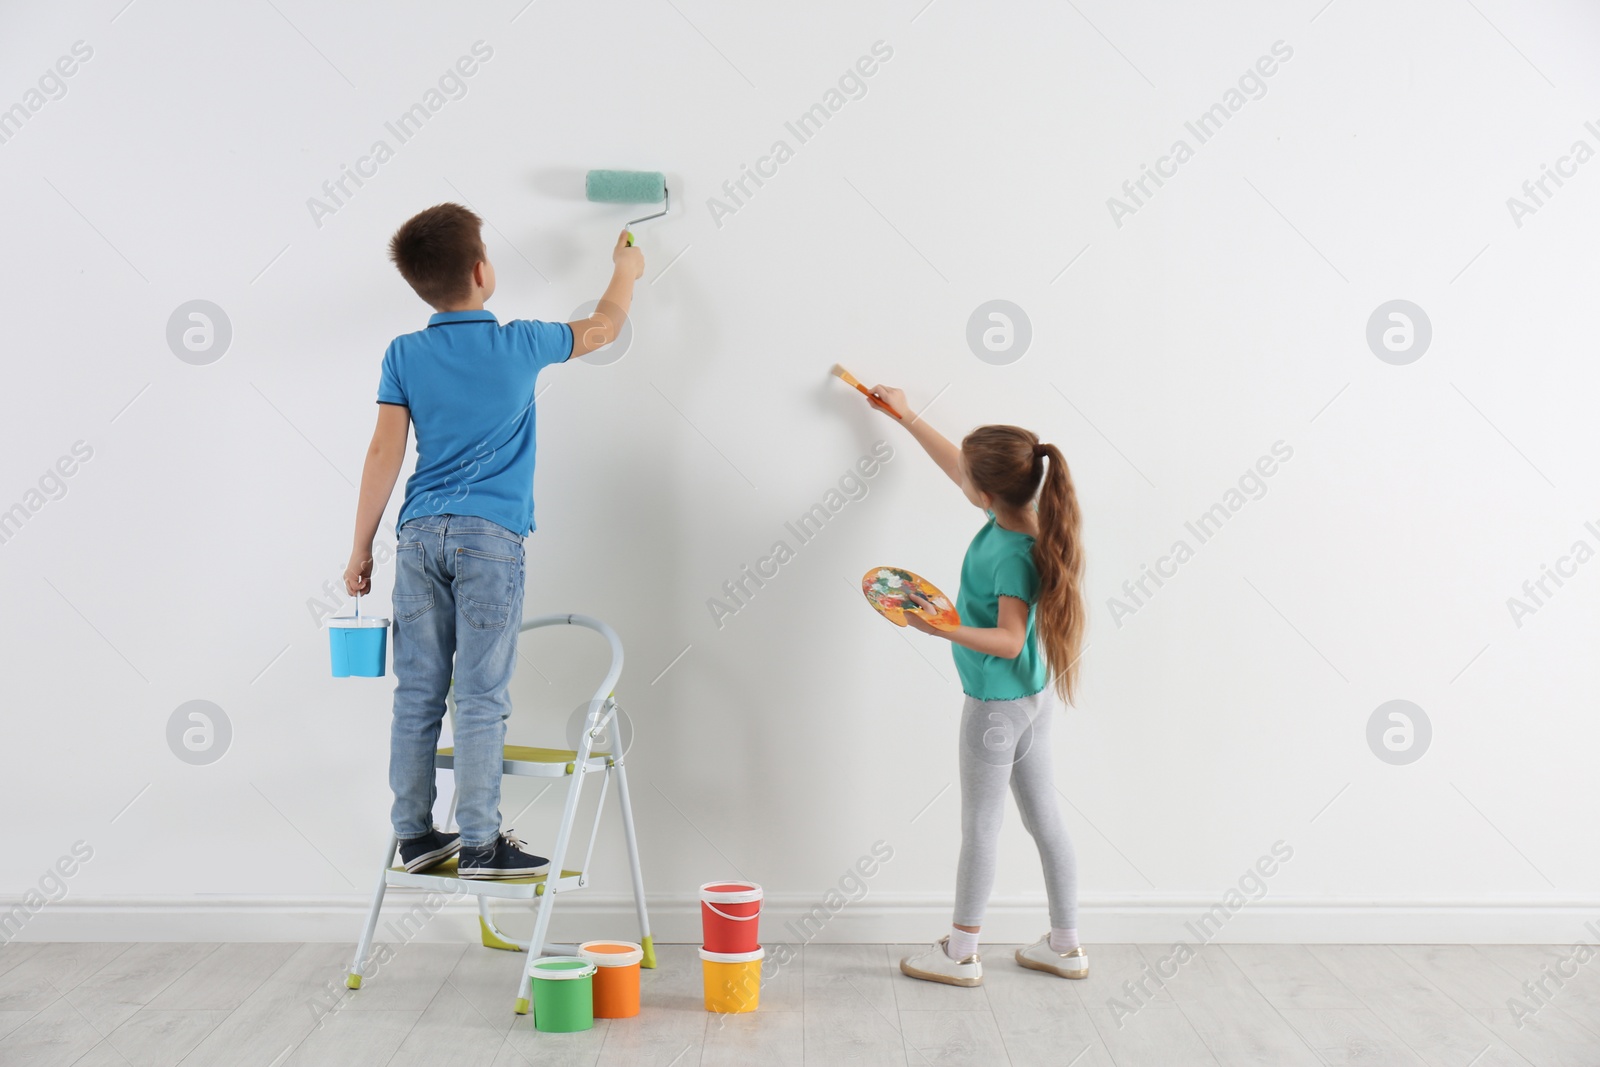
(999,563)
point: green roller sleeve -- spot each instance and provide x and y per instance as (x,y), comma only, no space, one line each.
(625,186)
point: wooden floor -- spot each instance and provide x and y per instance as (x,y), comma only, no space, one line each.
(251,1005)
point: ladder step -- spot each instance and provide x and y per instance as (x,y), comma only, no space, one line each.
(527,761)
(445,879)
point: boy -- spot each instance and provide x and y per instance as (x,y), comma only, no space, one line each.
(468,384)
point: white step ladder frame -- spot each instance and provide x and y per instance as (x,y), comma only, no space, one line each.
(544,890)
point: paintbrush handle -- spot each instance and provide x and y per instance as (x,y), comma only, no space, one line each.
(850,379)
(880,405)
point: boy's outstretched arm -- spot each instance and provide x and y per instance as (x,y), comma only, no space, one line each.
(385,456)
(605,324)
(945,454)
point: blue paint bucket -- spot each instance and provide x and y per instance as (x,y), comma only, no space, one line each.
(359,644)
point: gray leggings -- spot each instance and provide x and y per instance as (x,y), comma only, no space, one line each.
(1009,741)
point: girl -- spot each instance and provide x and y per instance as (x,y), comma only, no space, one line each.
(1022,577)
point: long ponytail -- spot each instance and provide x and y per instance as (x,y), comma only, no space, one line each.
(1058,557)
(1012,464)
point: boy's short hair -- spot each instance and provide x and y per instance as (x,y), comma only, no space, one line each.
(436,250)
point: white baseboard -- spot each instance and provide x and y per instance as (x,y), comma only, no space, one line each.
(1142,919)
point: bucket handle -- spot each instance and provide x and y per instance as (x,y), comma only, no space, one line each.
(725,915)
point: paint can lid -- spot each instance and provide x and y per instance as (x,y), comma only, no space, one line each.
(730,892)
(611,953)
(356,622)
(561,968)
(731,957)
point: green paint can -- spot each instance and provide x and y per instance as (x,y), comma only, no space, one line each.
(563,994)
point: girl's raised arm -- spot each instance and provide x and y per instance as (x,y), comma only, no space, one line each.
(945,454)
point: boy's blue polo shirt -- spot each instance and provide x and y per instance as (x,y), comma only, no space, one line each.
(469,384)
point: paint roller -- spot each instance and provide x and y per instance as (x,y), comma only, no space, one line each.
(628,187)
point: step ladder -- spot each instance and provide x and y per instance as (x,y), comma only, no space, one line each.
(529,762)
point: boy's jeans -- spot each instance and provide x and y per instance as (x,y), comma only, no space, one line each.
(457,592)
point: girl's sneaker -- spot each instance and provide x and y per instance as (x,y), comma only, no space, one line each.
(429,850)
(1039,956)
(935,965)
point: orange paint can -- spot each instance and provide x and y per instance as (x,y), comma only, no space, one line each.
(616,977)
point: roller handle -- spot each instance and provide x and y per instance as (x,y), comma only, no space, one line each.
(666,205)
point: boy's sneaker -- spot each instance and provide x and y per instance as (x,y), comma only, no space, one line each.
(429,850)
(502,859)
(935,965)
(1039,956)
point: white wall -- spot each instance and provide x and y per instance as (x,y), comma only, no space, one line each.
(1228,313)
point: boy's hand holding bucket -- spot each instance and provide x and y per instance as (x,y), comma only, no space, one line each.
(358,644)
(358,573)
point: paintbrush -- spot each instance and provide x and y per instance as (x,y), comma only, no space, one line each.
(850,379)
